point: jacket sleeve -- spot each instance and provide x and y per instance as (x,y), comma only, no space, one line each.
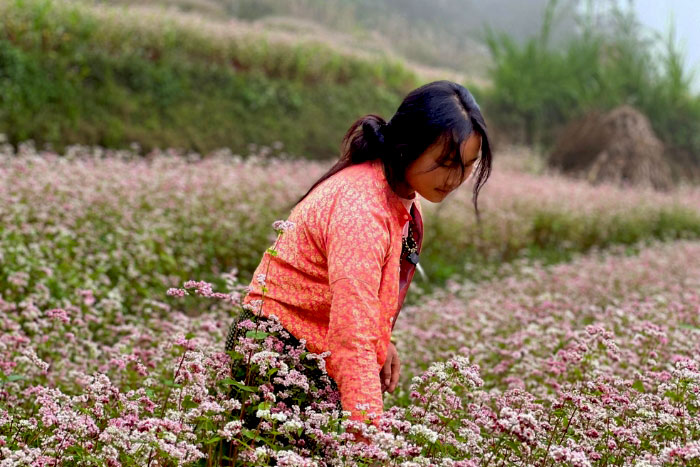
(357,244)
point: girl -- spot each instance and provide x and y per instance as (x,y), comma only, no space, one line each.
(341,274)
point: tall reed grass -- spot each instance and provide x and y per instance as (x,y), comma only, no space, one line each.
(537,88)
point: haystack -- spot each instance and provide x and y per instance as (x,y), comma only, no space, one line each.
(618,147)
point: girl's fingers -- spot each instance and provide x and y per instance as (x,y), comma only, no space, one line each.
(386,370)
(395,371)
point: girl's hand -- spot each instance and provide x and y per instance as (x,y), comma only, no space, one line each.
(390,372)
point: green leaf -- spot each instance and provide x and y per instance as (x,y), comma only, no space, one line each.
(251,434)
(188,403)
(244,387)
(256,334)
(235,355)
(213,440)
(208,424)
(265,405)
(15,377)
(638,385)
(189,335)
(171,383)
(272,252)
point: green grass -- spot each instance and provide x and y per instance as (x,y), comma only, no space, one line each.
(71,74)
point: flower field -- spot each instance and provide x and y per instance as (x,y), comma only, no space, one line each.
(120,274)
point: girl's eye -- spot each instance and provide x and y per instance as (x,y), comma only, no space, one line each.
(456,165)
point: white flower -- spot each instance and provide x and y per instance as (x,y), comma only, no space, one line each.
(291,425)
(278,416)
(424,431)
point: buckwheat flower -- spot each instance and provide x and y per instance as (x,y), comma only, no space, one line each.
(231,430)
(175,292)
(231,404)
(469,373)
(320,359)
(184,342)
(20,279)
(111,454)
(262,451)
(291,425)
(88,297)
(59,314)
(261,279)
(201,287)
(279,416)
(282,226)
(291,459)
(424,431)
(254,305)
(293,378)
(267,359)
(563,454)
(31,356)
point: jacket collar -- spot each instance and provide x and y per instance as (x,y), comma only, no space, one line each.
(400,212)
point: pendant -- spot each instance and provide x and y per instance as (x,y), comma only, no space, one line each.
(412,258)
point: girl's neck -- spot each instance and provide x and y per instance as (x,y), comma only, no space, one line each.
(405,191)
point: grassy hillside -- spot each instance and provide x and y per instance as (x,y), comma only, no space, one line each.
(78,73)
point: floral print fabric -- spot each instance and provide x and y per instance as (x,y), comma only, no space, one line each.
(335,279)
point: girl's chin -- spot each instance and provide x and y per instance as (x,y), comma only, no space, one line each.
(434,196)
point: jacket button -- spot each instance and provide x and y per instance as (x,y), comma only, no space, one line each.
(391,320)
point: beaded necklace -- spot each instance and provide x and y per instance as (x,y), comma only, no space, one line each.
(409,247)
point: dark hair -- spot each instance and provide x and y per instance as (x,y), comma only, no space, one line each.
(441,110)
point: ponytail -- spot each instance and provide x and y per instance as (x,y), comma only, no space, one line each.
(364,141)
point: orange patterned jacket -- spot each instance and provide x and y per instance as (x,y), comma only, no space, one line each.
(338,279)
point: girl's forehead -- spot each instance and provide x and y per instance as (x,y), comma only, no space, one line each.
(469,148)
(446,150)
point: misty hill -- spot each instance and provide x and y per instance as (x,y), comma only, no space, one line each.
(441,33)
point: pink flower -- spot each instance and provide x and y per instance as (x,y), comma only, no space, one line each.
(174,292)
(59,314)
(282,226)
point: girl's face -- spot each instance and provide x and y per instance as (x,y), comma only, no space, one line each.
(435,183)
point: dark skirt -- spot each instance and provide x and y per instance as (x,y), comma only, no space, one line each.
(311,371)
